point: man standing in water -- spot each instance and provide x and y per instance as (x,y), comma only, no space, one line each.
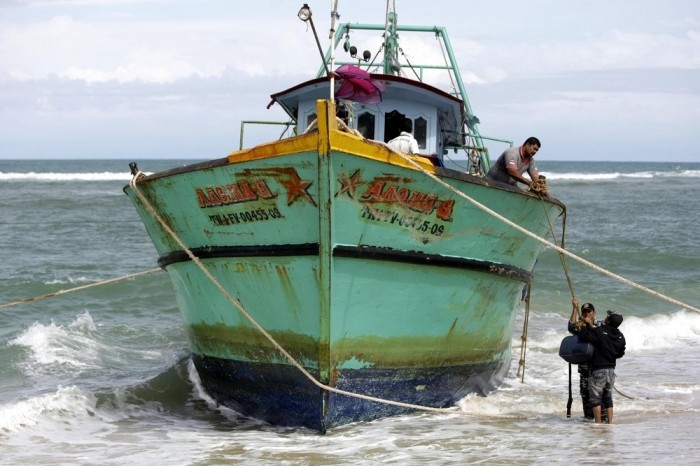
(609,345)
(576,324)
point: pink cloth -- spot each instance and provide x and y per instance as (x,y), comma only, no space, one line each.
(358,86)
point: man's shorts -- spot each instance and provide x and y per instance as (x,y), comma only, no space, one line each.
(601,380)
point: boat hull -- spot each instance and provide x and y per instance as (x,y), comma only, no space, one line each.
(374,278)
(281,395)
(420,343)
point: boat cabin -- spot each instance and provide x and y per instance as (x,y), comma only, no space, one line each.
(437,116)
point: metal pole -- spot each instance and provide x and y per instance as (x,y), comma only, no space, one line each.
(334,16)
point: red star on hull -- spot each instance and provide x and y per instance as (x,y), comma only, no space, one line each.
(297,189)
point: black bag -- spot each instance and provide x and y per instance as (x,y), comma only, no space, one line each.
(574,350)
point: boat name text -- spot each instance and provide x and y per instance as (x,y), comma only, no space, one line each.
(386,190)
(234,193)
(424,203)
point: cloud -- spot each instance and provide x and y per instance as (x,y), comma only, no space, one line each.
(615,51)
(30,3)
(148,51)
(124,49)
(74,72)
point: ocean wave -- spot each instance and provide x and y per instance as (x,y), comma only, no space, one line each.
(28,413)
(69,281)
(566,176)
(55,176)
(661,331)
(658,331)
(54,345)
(582,176)
(75,347)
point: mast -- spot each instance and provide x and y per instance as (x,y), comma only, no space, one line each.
(392,66)
(391,44)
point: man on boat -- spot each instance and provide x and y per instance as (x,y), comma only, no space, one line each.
(609,345)
(405,142)
(515,161)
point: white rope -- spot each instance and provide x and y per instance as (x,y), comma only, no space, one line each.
(78,288)
(547,243)
(269,337)
(295,363)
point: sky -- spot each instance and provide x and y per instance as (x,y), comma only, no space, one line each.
(103,79)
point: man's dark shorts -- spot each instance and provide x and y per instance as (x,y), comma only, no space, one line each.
(602,380)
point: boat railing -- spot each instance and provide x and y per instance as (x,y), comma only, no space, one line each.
(261,122)
(450,66)
(507,141)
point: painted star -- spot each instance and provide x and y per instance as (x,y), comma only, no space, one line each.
(350,185)
(296,188)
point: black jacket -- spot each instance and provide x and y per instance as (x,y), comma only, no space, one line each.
(609,345)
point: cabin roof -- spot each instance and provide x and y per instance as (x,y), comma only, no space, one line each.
(396,89)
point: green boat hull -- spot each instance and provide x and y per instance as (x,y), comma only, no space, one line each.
(373,277)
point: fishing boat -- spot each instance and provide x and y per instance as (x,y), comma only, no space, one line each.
(325,278)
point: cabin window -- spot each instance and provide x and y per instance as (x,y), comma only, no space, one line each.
(365,125)
(392,124)
(310,119)
(392,128)
(343,113)
(420,131)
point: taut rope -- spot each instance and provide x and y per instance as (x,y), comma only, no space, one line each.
(269,337)
(296,364)
(547,243)
(78,288)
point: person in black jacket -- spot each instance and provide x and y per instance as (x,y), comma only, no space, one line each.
(576,324)
(609,345)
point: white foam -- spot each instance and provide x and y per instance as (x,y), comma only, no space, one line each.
(28,413)
(55,176)
(201,393)
(77,346)
(69,280)
(58,176)
(661,331)
(649,333)
(582,176)
(49,346)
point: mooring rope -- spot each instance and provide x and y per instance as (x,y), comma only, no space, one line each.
(561,250)
(510,223)
(629,396)
(270,338)
(526,319)
(571,289)
(296,364)
(279,347)
(78,288)
(554,237)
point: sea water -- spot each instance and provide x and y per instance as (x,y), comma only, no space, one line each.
(102,375)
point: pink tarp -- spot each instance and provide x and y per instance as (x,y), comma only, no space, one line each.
(358,86)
